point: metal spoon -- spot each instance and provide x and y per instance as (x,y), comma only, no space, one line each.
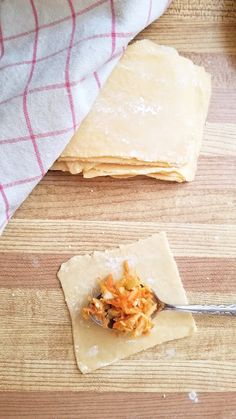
(219,309)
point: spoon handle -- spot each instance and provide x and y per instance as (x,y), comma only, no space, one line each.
(221,309)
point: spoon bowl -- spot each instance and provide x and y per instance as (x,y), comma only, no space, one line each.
(219,309)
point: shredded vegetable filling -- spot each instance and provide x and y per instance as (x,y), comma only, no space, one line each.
(125,305)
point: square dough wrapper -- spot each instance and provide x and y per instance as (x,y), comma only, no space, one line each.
(152,259)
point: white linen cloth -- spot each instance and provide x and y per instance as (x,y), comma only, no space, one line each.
(55,56)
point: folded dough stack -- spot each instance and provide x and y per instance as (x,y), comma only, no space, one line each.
(147,120)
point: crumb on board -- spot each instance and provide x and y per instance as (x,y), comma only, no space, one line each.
(193,396)
(170,352)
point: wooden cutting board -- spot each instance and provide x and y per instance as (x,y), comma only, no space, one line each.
(66,215)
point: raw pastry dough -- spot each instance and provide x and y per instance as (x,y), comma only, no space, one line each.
(96,347)
(151,112)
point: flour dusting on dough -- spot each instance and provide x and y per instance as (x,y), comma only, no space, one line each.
(125,141)
(64,267)
(150,281)
(93,351)
(115,264)
(144,107)
(132,260)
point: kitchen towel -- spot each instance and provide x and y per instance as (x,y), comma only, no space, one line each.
(55,55)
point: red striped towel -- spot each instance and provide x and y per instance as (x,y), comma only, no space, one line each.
(55,56)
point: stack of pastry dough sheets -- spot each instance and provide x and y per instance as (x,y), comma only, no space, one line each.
(147,120)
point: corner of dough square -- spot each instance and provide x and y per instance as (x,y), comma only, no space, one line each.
(96,347)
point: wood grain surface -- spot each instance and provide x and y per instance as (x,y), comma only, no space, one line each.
(67,215)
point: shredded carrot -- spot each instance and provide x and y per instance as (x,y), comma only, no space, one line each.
(126,305)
